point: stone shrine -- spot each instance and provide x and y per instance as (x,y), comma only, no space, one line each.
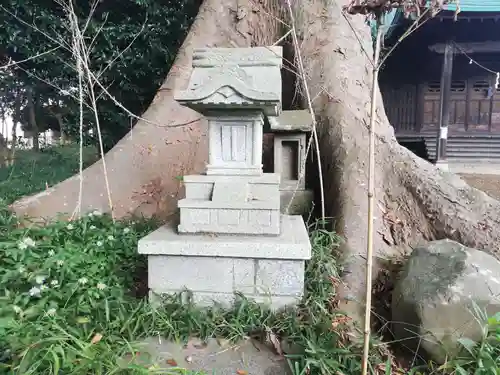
(290,144)
(232,236)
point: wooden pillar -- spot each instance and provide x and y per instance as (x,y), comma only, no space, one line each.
(444,104)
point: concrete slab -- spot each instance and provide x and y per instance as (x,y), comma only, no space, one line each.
(291,243)
(476,167)
(218,357)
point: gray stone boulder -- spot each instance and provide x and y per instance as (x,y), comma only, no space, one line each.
(436,296)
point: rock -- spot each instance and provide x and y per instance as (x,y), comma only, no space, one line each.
(215,356)
(434,299)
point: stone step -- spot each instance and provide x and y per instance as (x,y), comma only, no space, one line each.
(252,217)
(261,188)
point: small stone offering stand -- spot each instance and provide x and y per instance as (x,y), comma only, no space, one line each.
(232,236)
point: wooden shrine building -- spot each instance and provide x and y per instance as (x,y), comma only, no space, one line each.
(441,82)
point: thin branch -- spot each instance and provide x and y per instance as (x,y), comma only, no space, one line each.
(81,54)
(414,26)
(29,58)
(371,198)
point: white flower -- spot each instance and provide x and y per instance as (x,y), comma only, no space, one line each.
(110,238)
(22,269)
(60,263)
(126,230)
(51,312)
(17,309)
(99,243)
(101,286)
(90,214)
(25,243)
(51,253)
(40,279)
(35,292)
(54,282)
(92,227)
(97,213)
(83,280)
(70,226)
(43,287)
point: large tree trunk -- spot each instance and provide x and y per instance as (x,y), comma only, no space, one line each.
(415,201)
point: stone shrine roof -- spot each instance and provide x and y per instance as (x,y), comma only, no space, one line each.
(235,78)
(291,121)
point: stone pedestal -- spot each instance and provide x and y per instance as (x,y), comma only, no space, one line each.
(231,236)
(213,267)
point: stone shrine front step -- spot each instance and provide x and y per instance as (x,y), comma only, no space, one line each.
(268,269)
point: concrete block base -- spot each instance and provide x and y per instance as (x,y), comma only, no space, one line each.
(225,300)
(268,269)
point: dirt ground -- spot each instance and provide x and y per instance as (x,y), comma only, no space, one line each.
(490,184)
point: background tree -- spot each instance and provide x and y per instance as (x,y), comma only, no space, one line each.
(132,44)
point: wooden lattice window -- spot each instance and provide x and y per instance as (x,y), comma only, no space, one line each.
(434,87)
(481,86)
(458,86)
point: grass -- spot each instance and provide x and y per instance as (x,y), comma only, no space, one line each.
(73,301)
(68,304)
(33,171)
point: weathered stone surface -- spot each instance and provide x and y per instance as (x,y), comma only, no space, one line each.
(267,269)
(260,188)
(289,159)
(235,143)
(214,356)
(292,243)
(206,217)
(225,78)
(433,301)
(291,121)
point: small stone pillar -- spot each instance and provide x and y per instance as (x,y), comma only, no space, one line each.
(231,236)
(290,146)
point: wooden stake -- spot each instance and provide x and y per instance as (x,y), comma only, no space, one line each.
(371,191)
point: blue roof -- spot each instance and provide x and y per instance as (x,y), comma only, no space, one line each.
(392,18)
(476,6)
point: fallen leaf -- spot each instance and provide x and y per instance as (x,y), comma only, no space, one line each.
(97,337)
(171,362)
(242,372)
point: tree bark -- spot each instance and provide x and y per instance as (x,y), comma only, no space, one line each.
(32,119)
(17,112)
(415,201)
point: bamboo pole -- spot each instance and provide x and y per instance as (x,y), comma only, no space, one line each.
(371,191)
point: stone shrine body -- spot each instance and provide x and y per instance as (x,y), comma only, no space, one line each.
(232,236)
